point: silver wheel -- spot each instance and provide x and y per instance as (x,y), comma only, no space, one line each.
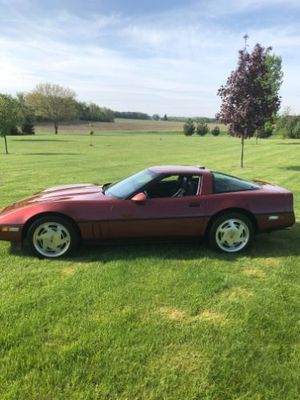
(51,239)
(232,235)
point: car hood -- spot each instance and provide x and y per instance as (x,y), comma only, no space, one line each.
(61,193)
(69,190)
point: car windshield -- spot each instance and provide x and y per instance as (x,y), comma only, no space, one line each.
(130,185)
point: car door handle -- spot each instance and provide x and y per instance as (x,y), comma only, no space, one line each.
(194,204)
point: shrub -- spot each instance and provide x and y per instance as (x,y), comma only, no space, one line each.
(266,131)
(27,127)
(289,126)
(189,127)
(202,129)
(297,130)
(216,131)
(15,131)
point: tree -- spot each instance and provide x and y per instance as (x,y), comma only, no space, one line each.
(27,116)
(215,131)
(189,127)
(9,116)
(202,129)
(275,74)
(165,117)
(52,102)
(275,79)
(156,117)
(250,96)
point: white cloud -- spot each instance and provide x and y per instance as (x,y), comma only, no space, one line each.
(102,75)
(160,65)
(217,8)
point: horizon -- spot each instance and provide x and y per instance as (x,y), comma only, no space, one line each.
(155,57)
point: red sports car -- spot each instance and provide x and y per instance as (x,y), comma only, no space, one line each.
(158,202)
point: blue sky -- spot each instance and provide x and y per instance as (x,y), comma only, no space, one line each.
(157,56)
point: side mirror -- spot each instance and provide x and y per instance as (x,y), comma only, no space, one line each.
(139,198)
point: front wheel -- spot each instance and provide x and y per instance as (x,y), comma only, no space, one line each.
(231,233)
(52,237)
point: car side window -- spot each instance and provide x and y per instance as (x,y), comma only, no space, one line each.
(226,183)
(174,186)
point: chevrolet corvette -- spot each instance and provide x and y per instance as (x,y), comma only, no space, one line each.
(158,202)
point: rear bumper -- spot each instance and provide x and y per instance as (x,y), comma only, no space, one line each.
(274,221)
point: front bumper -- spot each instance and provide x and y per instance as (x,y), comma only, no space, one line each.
(11,233)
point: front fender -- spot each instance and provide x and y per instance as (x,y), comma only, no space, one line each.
(12,221)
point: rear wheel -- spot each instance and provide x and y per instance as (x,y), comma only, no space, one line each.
(231,233)
(52,237)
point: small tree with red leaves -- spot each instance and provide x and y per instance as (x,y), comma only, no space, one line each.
(250,97)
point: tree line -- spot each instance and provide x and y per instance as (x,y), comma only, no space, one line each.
(286,126)
(204,120)
(131,115)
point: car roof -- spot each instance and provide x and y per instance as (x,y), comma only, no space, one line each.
(179,169)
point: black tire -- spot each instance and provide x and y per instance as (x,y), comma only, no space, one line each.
(238,228)
(63,236)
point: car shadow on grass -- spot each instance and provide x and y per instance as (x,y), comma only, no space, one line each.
(277,244)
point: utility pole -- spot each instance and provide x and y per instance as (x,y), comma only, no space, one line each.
(245,37)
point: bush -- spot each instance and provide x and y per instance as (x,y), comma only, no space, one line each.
(189,127)
(292,128)
(216,131)
(297,130)
(202,129)
(15,131)
(27,128)
(266,131)
(289,126)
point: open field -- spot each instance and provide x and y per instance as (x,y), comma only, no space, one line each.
(157,321)
(119,126)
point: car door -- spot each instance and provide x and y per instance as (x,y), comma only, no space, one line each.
(165,216)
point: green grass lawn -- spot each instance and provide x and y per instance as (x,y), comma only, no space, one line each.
(156,321)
